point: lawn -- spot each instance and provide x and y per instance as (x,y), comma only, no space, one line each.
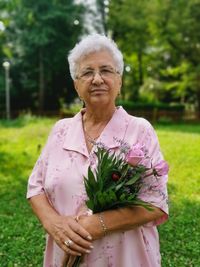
(21,236)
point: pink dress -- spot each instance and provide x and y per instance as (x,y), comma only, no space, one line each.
(59,171)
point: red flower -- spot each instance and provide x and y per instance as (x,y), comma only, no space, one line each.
(115,176)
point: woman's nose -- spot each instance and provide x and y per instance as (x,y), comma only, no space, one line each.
(97,78)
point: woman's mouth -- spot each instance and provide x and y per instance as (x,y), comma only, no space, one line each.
(98,90)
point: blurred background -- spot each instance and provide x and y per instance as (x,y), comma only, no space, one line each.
(160,41)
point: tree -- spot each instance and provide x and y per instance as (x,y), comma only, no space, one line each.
(102,9)
(39,36)
(129,25)
(178,30)
(161,42)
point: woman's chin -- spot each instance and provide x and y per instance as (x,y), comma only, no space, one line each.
(101,99)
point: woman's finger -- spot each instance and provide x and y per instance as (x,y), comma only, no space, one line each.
(76,227)
(66,229)
(75,247)
(77,240)
(70,251)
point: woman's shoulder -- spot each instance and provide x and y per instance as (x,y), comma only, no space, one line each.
(140,122)
(142,130)
(134,121)
(66,122)
(60,127)
(63,123)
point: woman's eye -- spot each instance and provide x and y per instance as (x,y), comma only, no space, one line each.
(106,71)
(86,74)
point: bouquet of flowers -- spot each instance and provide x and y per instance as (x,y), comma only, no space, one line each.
(117,179)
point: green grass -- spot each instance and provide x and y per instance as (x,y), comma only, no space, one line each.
(21,236)
(180,236)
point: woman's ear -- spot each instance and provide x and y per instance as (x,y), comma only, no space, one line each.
(120,81)
(75,86)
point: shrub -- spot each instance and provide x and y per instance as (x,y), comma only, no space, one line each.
(130,105)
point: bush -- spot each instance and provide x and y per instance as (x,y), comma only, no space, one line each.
(130,105)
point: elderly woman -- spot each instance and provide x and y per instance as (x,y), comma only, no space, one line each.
(123,237)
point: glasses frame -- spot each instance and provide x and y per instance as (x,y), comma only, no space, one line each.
(89,74)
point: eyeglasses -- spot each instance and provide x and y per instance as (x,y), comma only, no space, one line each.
(105,73)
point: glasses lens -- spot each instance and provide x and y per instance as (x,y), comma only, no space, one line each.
(104,73)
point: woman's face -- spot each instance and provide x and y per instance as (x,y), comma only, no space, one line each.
(97,80)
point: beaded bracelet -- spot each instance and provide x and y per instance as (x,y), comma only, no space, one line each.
(103,225)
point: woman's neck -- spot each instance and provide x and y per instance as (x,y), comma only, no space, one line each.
(95,116)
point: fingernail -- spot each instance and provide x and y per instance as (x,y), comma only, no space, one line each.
(91,246)
(88,251)
(89,237)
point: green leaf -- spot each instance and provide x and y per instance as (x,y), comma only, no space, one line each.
(120,185)
(112,195)
(90,204)
(122,197)
(133,179)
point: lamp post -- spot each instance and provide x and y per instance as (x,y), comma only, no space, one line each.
(6,66)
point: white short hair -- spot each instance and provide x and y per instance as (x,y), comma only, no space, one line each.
(90,44)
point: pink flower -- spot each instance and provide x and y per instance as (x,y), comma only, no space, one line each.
(135,154)
(161,168)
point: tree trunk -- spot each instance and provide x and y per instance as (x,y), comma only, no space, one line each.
(140,68)
(41,82)
(101,9)
(198,96)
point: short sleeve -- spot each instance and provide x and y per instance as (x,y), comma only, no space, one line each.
(37,178)
(154,189)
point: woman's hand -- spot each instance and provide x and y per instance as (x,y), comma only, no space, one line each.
(69,235)
(65,230)
(91,224)
(121,219)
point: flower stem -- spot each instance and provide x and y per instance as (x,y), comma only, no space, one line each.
(77,261)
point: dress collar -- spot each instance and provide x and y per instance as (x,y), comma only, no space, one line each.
(113,131)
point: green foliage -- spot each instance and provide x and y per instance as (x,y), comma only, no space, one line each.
(131,31)
(151,90)
(104,192)
(73,108)
(180,44)
(131,106)
(180,81)
(39,35)
(21,236)
(161,49)
(161,44)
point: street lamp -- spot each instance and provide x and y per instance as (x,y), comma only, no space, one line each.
(6,66)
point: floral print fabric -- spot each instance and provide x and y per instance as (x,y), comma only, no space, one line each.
(59,172)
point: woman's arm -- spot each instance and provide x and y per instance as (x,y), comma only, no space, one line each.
(61,228)
(122,219)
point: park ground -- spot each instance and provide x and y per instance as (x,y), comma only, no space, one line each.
(21,236)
